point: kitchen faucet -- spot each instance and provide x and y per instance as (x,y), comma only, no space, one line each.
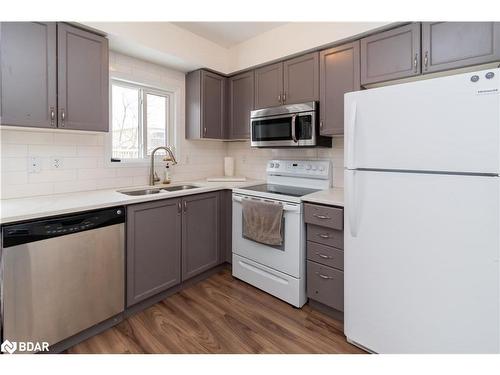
(153,177)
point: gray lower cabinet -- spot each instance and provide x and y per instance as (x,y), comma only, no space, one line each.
(82,79)
(53,75)
(200,234)
(205,105)
(241,103)
(301,79)
(325,255)
(339,74)
(153,248)
(269,86)
(449,45)
(226,225)
(28,74)
(392,54)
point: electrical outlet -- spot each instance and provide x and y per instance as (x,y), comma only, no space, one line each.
(34,164)
(56,162)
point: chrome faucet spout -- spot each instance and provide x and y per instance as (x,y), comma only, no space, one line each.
(153,177)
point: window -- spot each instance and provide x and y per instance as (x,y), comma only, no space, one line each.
(140,118)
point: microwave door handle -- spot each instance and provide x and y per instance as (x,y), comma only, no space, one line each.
(294,136)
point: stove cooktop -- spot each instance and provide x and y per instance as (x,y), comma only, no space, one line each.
(291,191)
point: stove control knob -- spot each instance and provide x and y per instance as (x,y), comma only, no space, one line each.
(271,165)
(321,168)
(314,167)
(277,165)
(308,166)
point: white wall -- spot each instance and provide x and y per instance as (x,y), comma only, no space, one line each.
(86,165)
(165,43)
(293,38)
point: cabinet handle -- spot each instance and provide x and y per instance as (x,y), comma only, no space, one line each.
(322,217)
(415,63)
(205,131)
(426,59)
(323,256)
(279,98)
(63,117)
(323,276)
(284,97)
(185,206)
(52,116)
(179,207)
(321,124)
(324,235)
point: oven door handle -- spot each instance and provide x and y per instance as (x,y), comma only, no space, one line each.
(294,136)
(286,207)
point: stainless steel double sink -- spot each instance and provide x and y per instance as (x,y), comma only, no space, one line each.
(152,190)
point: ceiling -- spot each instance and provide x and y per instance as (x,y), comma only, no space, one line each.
(228,34)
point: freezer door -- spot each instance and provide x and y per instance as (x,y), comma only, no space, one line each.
(442,124)
(422,262)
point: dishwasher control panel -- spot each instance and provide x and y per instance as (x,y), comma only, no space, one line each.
(38,230)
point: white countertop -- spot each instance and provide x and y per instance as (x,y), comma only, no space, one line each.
(18,209)
(332,197)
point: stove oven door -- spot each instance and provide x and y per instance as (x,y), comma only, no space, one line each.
(289,258)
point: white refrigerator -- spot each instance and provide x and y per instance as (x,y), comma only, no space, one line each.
(422,216)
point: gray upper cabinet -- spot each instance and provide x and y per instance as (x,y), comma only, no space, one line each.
(205,105)
(269,86)
(28,74)
(82,79)
(153,248)
(449,45)
(339,73)
(392,54)
(301,79)
(241,98)
(54,75)
(200,234)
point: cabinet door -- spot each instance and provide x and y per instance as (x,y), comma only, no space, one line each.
(339,73)
(226,223)
(200,234)
(153,248)
(269,86)
(241,104)
(448,45)
(28,74)
(212,105)
(82,79)
(301,79)
(391,54)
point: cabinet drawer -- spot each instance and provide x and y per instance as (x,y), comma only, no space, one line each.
(326,255)
(325,236)
(325,285)
(330,217)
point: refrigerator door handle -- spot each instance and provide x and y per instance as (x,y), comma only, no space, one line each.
(351,201)
(351,136)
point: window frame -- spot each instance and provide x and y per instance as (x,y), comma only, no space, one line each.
(143,91)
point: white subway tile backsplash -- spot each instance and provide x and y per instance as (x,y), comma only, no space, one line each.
(14,164)
(52,150)
(27,137)
(90,150)
(13,178)
(13,150)
(95,173)
(52,176)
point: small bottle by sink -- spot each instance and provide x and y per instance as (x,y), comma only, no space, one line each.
(166,178)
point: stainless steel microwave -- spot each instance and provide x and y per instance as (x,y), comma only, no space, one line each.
(294,125)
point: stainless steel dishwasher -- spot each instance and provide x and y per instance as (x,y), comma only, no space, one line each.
(62,275)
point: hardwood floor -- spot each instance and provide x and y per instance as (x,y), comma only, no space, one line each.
(222,315)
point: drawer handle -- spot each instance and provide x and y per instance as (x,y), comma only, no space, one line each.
(323,256)
(323,276)
(322,217)
(322,235)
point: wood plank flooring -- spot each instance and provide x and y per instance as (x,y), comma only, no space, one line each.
(222,315)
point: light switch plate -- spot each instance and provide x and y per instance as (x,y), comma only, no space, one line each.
(34,164)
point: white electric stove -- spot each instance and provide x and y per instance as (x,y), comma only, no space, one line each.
(279,271)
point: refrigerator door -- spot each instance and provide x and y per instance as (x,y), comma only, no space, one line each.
(443,124)
(422,262)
